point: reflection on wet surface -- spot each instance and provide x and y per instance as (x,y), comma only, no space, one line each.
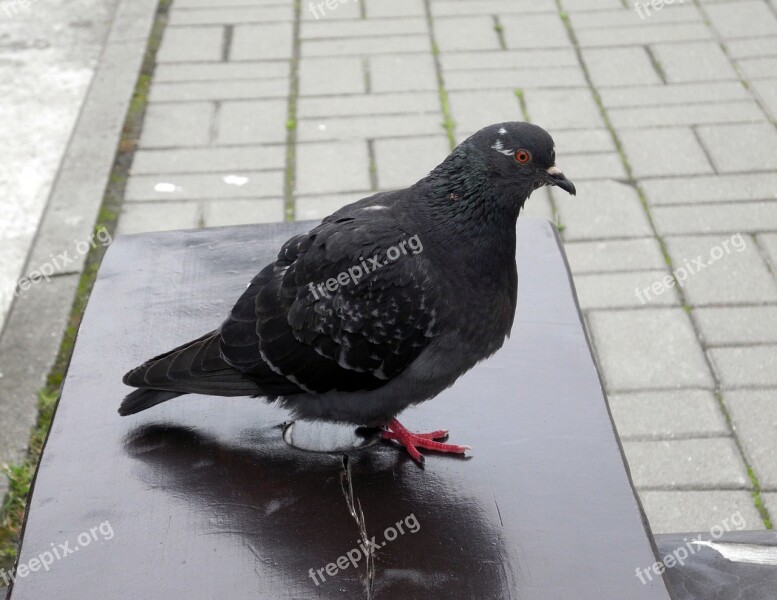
(293,511)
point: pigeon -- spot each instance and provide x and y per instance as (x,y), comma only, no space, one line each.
(383,305)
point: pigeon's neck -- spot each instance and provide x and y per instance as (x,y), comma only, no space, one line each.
(464,210)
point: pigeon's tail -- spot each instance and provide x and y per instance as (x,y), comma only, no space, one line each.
(197,367)
(144,398)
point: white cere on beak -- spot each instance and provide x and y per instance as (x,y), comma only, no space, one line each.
(554,171)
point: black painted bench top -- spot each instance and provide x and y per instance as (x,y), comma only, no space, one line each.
(206,500)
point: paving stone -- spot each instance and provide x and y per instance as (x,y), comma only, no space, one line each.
(732,148)
(403,73)
(754,418)
(332,167)
(344,75)
(142,217)
(721,326)
(699,511)
(252,122)
(617,290)
(246,184)
(593,165)
(767,92)
(746,111)
(670,151)
(232,15)
(466,33)
(696,61)
(509,59)
(616,16)
(706,189)
(474,110)
(490,7)
(223,71)
(187,44)
(225,90)
(563,109)
(615,255)
(218,213)
(393,44)
(654,348)
(642,34)
(751,47)
(395,8)
(742,217)
(219,3)
(203,160)
(362,28)
(535,31)
(769,244)
(368,127)
(734,272)
(676,93)
(525,78)
(401,163)
(742,19)
(754,366)
(582,140)
(169,124)
(770,502)
(601,210)
(761,67)
(319,10)
(369,104)
(319,206)
(667,415)
(620,66)
(708,463)
(576,6)
(261,41)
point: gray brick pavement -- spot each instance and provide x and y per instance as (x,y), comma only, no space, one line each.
(368,115)
(699,511)
(754,418)
(699,464)
(649,349)
(668,414)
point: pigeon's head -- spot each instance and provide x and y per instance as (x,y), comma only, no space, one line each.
(519,158)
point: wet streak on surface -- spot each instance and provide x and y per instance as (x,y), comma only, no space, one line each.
(208,501)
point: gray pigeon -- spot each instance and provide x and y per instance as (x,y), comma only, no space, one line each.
(383,305)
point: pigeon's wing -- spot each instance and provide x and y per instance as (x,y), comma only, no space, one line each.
(353,336)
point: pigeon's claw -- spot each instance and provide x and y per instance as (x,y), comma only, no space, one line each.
(412,441)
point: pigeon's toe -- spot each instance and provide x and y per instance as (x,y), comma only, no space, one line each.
(413,441)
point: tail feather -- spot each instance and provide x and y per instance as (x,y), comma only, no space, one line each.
(180,372)
(196,367)
(144,398)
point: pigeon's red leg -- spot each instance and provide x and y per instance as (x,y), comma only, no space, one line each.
(412,441)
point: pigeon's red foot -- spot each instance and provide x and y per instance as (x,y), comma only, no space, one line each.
(412,441)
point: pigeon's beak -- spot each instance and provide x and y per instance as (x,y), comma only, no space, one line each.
(556,177)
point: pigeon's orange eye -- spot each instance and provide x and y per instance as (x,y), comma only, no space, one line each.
(522,156)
